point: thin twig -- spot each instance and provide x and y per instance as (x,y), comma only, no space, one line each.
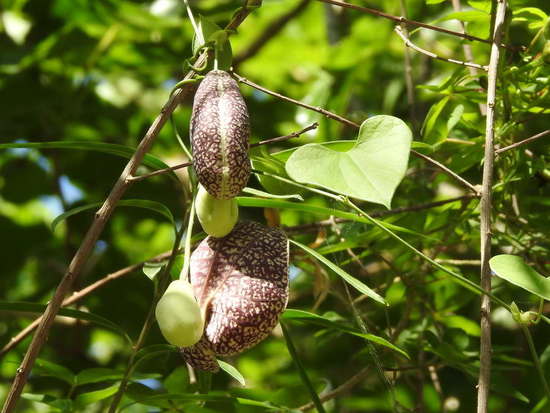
(410,44)
(523,142)
(349,123)
(485,350)
(253,145)
(296,102)
(468,54)
(409,81)
(301,370)
(377,214)
(400,19)
(314,125)
(475,263)
(447,171)
(78,295)
(101,217)
(163,280)
(269,32)
(158,172)
(341,389)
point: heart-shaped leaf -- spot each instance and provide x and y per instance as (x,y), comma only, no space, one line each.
(370,171)
(513,269)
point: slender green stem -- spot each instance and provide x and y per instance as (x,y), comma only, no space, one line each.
(187,251)
(163,281)
(345,201)
(463,280)
(192,18)
(536,359)
(307,188)
(301,370)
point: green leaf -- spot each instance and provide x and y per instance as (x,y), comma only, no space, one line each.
(211,32)
(468,16)
(177,381)
(370,171)
(63,405)
(433,115)
(138,203)
(454,117)
(80,315)
(109,148)
(514,270)
(263,194)
(96,375)
(47,368)
(307,317)
(272,165)
(468,326)
(94,396)
(340,146)
(318,95)
(151,269)
(354,282)
(232,371)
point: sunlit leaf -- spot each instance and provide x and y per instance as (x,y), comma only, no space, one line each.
(370,171)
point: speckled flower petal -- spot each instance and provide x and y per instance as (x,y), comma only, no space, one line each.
(242,279)
(219,132)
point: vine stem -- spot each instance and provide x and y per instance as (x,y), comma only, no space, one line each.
(346,201)
(269,141)
(96,228)
(163,281)
(410,44)
(485,350)
(301,370)
(187,248)
(536,360)
(401,19)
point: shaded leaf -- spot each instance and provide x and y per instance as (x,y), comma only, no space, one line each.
(354,282)
(232,371)
(138,203)
(514,270)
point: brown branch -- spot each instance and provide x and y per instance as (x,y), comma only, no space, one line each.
(101,217)
(314,125)
(377,214)
(269,32)
(485,350)
(410,44)
(78,295)
(296,102)
(349,123)
(343,388)
(401,19)
(447,171)
(158,172)
(523,142)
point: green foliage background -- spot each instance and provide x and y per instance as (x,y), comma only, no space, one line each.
(99,72)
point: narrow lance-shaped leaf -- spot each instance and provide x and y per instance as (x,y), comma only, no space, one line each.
(354,282)
(138,203)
